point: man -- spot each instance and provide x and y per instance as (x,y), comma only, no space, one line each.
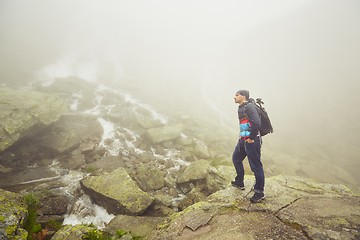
(249,145)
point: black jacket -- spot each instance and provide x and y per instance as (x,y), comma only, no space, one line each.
(248,110)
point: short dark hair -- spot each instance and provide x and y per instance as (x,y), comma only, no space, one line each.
(244,93)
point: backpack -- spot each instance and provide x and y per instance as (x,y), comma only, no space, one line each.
(266,126)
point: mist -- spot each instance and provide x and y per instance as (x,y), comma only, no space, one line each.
(301,57)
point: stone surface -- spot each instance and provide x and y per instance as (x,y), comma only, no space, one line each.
(25,112)
(137,225)
(117,193)
(149,178)
(295,208)
(70,232)
(69,132)
(12,216)
(325,217)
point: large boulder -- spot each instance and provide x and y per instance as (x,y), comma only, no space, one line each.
(69,132)
(117,193)
(13,213)
(23,113)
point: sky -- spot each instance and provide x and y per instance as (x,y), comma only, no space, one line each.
(302,57)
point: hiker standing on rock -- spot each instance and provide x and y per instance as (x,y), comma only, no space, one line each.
(249,145)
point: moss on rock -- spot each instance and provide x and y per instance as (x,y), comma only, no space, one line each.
(13,212)
(117,192)
(23,112)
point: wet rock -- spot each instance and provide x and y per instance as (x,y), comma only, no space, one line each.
(24,113)
(12,215)
(106,163)
(72,160)
(53,205)
(95,155)
(117,193)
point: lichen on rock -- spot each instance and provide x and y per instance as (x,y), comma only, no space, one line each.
(13,213)
(117,193)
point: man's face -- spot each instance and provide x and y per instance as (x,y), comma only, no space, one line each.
(239,98)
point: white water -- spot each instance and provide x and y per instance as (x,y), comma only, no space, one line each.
(86,212)
(155,115)
(82,209)
(75,99)
(115,139)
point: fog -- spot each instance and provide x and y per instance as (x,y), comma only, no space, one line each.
(301,57)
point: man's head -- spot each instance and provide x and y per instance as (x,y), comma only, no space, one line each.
(241,96)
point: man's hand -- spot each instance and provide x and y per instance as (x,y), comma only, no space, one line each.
(249,140)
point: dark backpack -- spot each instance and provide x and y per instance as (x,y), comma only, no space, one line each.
(266,126)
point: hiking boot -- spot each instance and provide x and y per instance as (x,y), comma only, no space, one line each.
(237,185)
(257,197)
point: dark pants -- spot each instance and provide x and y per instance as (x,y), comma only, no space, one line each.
(253,152)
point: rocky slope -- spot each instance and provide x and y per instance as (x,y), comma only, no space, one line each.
(161,178)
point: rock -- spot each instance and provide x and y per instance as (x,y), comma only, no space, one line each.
(195,195)
(24,113)
(13,212)
(27,178)
(201,173)
(294,208)
(163,134)
(200,149)
(184,140)
(149,177)
(117,193)
(197,220)
(325,217)
(69,132)
(53,205)
(145,120)
(106,163)
(195,171)
(137,225)
(69,232)
(72,160)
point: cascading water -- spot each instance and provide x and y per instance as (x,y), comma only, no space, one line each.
(115,139)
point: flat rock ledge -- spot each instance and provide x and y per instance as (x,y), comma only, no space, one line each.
(294,208)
